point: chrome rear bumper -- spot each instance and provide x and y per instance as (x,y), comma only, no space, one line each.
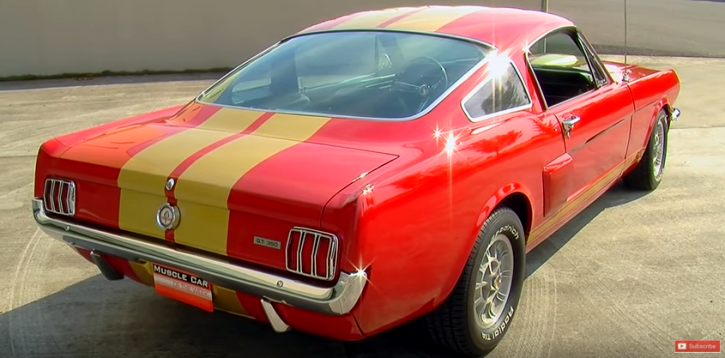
(337,300)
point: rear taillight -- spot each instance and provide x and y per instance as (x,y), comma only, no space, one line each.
(59,197)
(311,253)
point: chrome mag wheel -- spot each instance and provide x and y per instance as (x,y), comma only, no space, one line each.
(659,149)
(476,315)
(494,281)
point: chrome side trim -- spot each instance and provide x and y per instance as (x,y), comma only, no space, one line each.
(502,112)
(336,300)
(594,56)
(499,113)
(545,106)
(589,53)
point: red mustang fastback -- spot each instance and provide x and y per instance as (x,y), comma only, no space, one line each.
(364,172)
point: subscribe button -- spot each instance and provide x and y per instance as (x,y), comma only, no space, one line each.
(697,346)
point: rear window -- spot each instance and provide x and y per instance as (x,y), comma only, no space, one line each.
(371,74)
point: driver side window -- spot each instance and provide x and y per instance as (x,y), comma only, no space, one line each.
(561,67)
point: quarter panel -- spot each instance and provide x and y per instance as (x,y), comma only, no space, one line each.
(416,228)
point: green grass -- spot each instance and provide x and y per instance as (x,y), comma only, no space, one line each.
(90,75)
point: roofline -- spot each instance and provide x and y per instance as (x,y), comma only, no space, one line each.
(374,29)
(544,20)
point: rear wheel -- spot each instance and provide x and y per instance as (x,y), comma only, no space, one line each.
(647,175)
(480,310)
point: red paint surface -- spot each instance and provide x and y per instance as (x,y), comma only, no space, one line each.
(290,188)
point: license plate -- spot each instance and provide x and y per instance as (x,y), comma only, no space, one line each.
(183,286)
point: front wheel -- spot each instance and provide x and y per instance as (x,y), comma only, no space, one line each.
(647,175)
(479,311)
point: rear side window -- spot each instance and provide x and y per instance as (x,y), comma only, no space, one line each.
(499,92)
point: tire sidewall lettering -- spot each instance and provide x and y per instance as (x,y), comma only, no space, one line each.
(510,229)
(497,331)
(502,326)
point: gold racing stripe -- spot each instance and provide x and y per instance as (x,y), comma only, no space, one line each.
(143,177)
(373,18)
(143,271)
(433,18)
(227,300)
(203,189)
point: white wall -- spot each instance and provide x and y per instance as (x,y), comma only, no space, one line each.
(43,37)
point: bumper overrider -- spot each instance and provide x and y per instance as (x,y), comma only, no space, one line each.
(337,300)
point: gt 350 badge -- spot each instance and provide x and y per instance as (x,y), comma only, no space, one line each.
(267,242)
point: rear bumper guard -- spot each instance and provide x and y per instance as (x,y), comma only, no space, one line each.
(337,300)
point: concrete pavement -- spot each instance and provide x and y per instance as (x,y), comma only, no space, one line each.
(626,278)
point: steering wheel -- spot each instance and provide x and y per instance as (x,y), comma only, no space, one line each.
(423,78)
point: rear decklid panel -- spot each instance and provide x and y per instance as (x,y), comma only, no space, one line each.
(238,174)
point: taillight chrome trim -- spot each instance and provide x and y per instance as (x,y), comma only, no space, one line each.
(317,236)
(62,203)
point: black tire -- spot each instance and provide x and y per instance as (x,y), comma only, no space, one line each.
(455,325)
(647,175)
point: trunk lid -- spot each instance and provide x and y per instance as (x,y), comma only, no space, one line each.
(241,179)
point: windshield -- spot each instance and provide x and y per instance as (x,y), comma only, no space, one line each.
(371,74)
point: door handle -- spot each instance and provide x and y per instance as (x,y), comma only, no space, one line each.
(569,123)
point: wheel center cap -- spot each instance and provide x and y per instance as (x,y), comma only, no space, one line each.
(497,282)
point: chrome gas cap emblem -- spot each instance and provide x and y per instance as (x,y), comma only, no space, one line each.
(167,217)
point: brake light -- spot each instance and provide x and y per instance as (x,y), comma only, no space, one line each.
(311,253)
(59,196)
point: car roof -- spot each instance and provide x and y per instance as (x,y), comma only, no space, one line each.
(497,26)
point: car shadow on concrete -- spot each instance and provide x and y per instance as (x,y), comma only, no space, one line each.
(117,319)
(106,80)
